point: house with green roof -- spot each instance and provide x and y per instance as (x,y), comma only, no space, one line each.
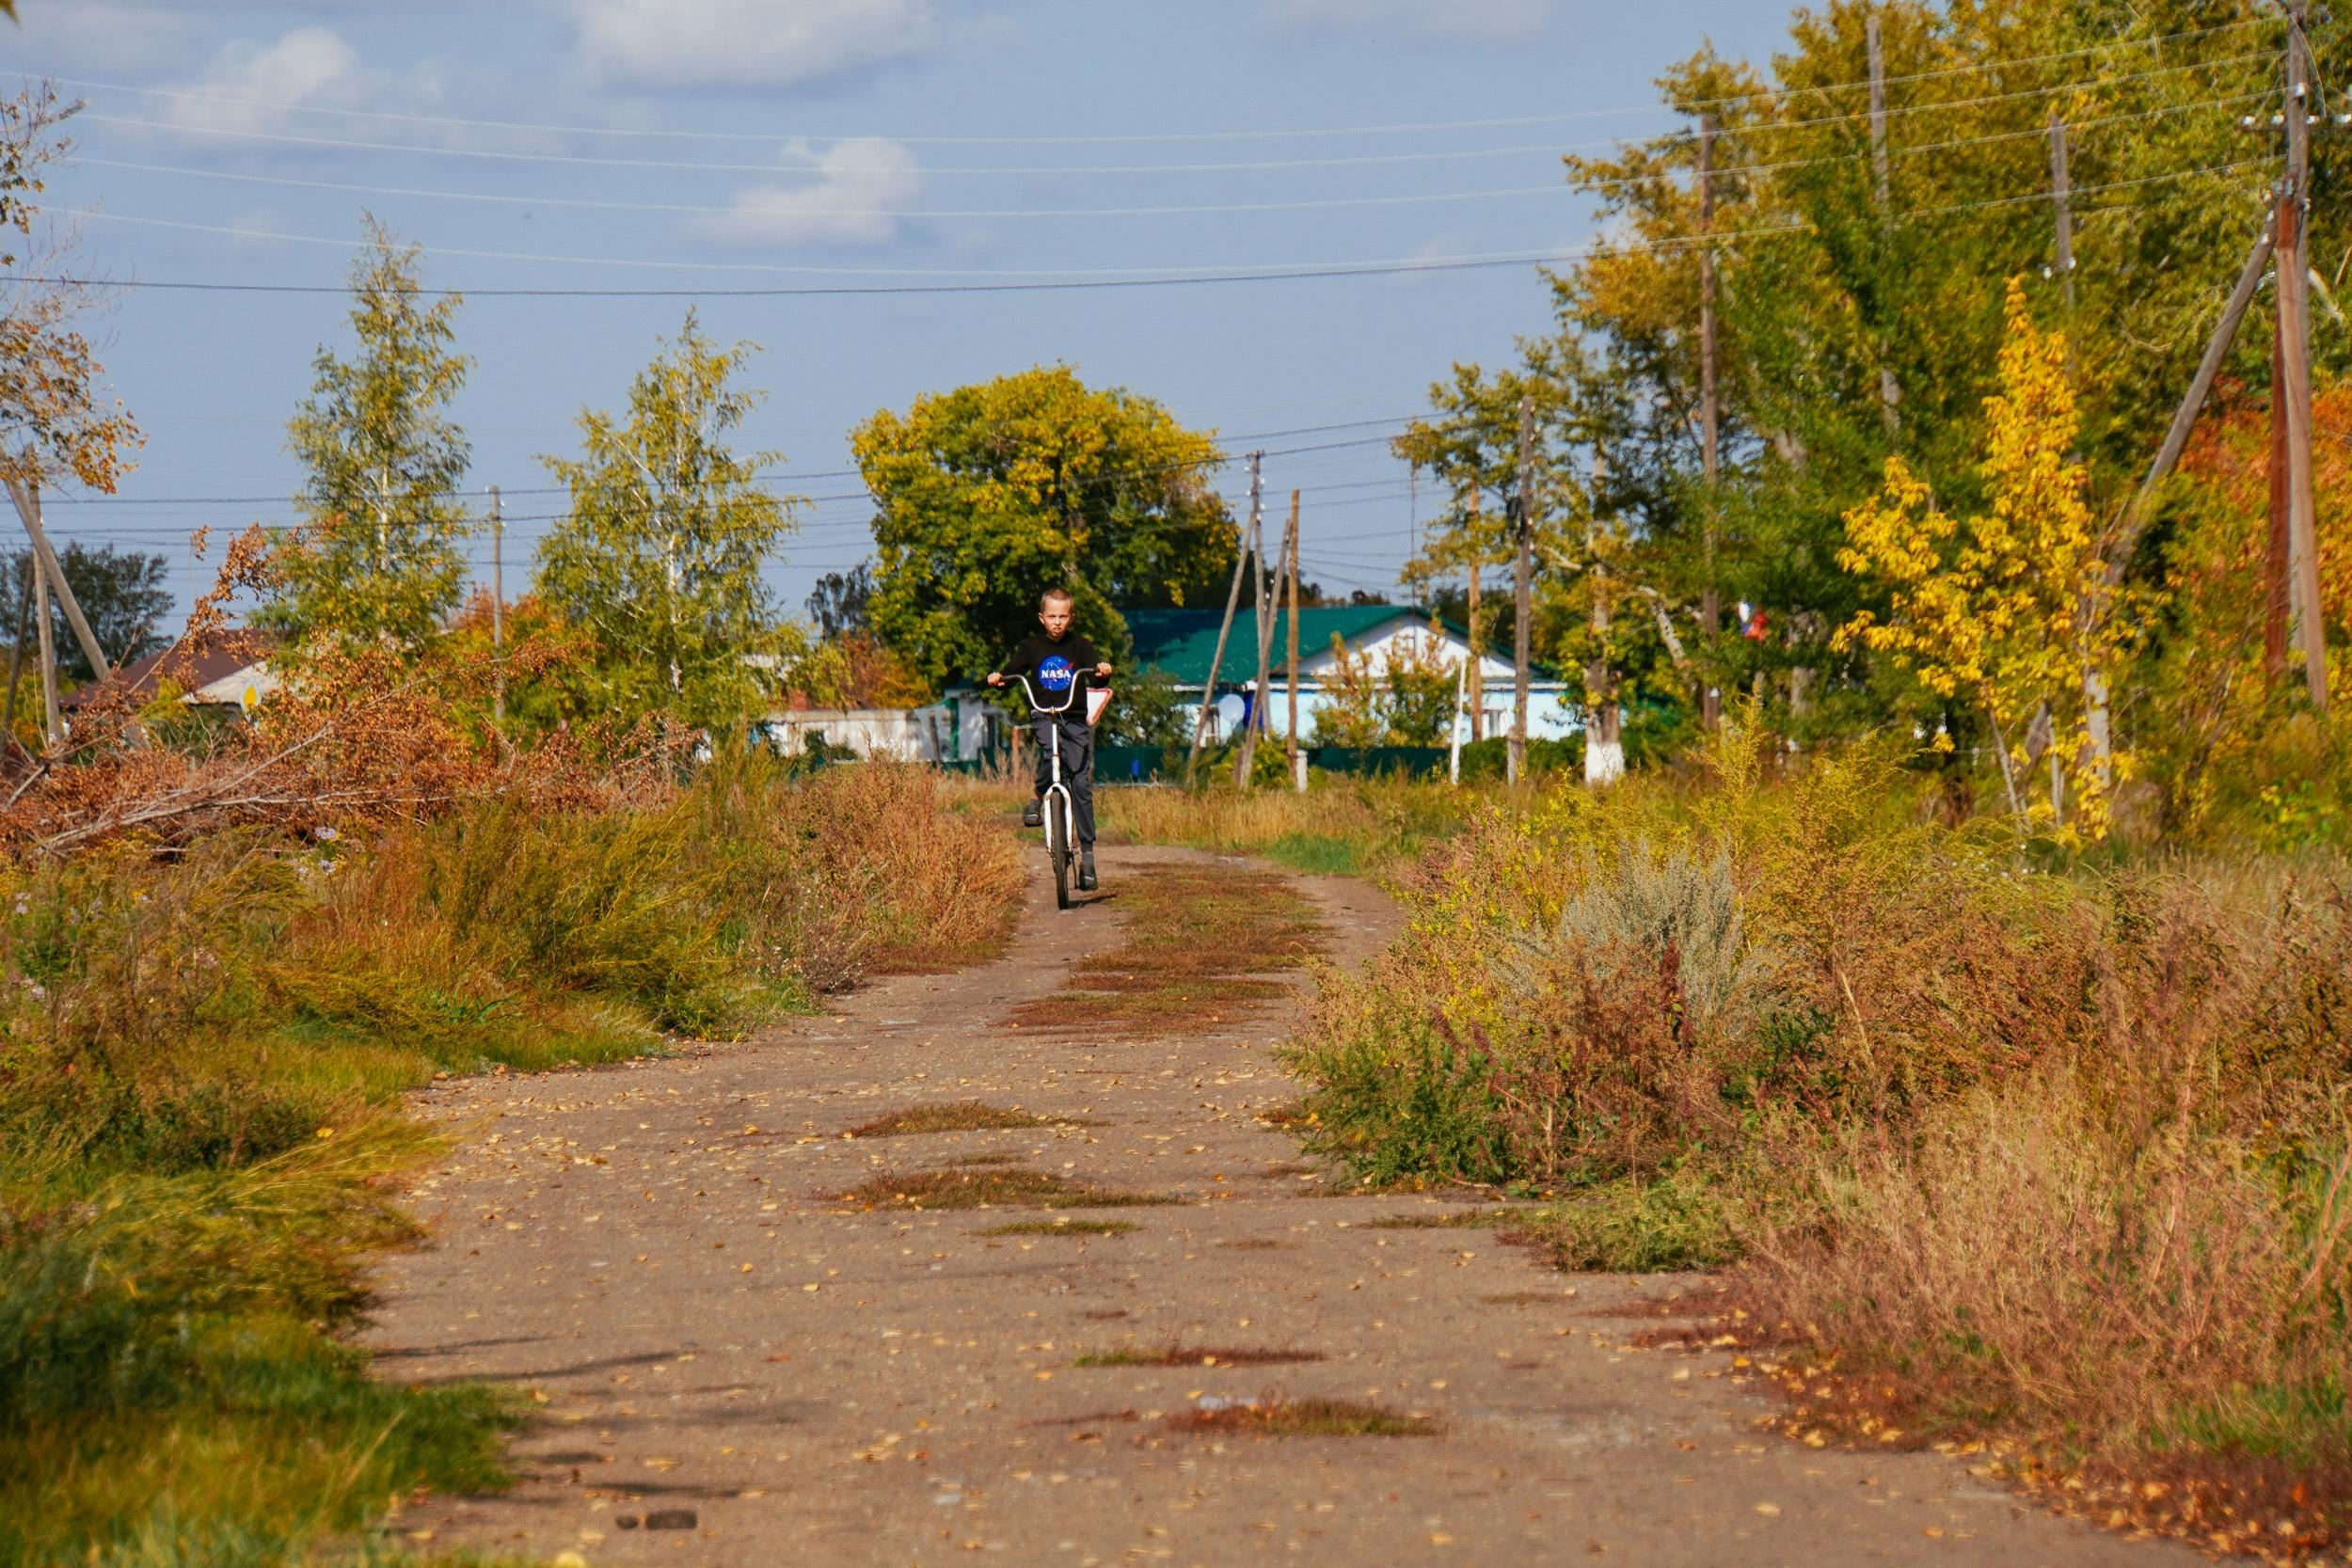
(1182,644)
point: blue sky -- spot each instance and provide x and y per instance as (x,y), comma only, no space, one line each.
(716,143)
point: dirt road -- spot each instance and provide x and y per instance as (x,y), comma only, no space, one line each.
(655,1249)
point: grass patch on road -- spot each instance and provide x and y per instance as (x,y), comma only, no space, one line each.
(1200,941)
(993,1189)
(1456,1219)
(1196,1356)
(962,1115)
(1305,1419)
(1064,1226)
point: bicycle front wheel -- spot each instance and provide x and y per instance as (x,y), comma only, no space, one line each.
(1057,849)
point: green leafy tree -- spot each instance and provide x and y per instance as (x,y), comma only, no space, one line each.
(1146,710)
(657,563)
(123,596)
(379,556)
(988,494)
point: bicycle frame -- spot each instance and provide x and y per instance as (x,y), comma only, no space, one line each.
(1060,806)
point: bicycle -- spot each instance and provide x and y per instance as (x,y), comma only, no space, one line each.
(1060,809)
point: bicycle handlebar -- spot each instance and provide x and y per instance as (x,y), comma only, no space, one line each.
(1035,706)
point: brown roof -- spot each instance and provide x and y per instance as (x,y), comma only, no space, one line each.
(190,665)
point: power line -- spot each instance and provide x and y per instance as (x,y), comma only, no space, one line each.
(1039,280)
(1221,436)
(773,167)
(1979,66)
(752,211)
(1091,138)
(2055,87)
(743,211)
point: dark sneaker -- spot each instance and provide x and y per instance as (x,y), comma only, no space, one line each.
(1033,815)
(1085,872)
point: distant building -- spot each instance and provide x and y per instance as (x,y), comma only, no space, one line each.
(1182,642)
(900,733)
(227,673)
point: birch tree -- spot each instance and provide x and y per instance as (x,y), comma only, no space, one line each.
(658,560)
(379,556)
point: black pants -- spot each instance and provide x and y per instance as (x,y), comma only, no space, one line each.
(1077,768)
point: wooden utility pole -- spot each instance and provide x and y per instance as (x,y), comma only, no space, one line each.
(498,609)
(1890,394)
(1298,759)
(1477,645)
(27,498)
(1710,597)
(2249,279)
(2063,198)
(1224,631)
(2295,353)
(2276,569)
(1522,587)
(50,726)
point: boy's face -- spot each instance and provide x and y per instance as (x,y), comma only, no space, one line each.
(1054,618)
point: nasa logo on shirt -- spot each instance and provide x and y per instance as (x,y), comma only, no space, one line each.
(1055,672)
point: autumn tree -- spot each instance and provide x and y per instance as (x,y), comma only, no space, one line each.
(2006,610)
(657,563)
(379,556)
(990,494)
(57,422)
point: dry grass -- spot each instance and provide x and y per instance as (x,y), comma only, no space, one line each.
(2055,1159)
(1355,826)
(1284,1417)
(1196,1356)
(962,1115)
(1199,943)
(1063,1227)
(992,1189)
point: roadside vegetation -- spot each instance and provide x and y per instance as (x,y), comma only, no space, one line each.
(203,1054)
(2054,1151)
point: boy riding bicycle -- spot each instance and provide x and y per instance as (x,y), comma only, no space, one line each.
(1063,662)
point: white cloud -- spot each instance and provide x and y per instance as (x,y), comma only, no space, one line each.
(106,35)
(746,43)
(855,192)
(1451,22)
(250,85)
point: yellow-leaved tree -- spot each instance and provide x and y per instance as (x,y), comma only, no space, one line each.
(2008,612)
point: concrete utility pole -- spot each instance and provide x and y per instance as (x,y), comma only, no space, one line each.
(2295,329)
(1224,631)
(1522,587)
(1477,646)
(1260,589)
(498,609)
(2063,198)
(1890,394)
(1710,598)
(1604,740)
(1297,757)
